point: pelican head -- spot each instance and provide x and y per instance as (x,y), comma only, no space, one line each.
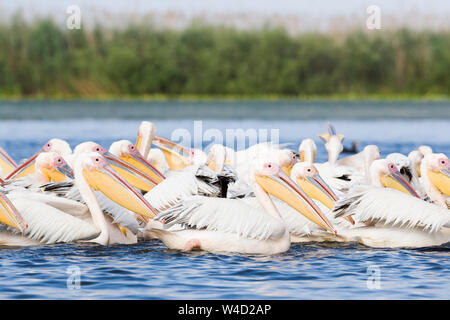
(307,150)
(129,153)
(58,146)
(133,175)
(402,163)
(287,159)
(95,170)
(371,153)
(425,150)
(50,166)
(436,166)
(216,158)
(416,157)
(270,177)
(307,177)
(146,133)
(333,143)
(384,173)
(197,156)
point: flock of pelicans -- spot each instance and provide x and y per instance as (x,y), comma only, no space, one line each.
(254,201)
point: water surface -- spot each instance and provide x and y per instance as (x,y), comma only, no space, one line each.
(148,270)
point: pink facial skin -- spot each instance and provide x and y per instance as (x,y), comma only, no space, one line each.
(271,168)
(444,163)
(392,168)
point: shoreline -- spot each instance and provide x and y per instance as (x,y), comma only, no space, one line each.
(230,98)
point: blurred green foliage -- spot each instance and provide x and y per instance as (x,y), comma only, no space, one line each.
(44,59)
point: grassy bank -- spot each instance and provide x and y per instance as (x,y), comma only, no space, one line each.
(41,60)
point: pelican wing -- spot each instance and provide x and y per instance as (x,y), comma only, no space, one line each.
(225,215)
(69,206)
(50,225)
(392,207)
(181,185)
(120,215)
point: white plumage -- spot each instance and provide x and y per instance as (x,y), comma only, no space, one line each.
(392,208)
(50,225)
(226,215)
(183,184)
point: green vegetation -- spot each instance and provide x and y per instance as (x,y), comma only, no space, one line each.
(42,59)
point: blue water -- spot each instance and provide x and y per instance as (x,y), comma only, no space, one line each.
(148,270)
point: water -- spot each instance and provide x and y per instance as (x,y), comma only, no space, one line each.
(148,270)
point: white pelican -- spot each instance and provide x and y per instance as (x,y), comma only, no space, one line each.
(59,146)
(392,218)
(436,178)
(46,224)
(416,158)
(333,143)
(230,225)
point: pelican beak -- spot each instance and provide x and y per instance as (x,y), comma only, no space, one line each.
(418,170)
(318,189)
(112,185)
(287,170)
(7,164)
(66,171)
(137,161)
(130,173)
(138,141)
(177,156)
(212,165)
(9,214)
(24,169)
(441,180)
(281,186)
(58,174)
(396,181)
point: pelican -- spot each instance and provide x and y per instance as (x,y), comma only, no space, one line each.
(333,143)
(392,218)
(407,170)
(231,225)
(46,224)
(416,158)
(436,178)
(59,146)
